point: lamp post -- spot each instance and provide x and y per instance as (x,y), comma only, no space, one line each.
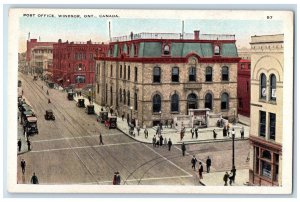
(130,113)
(233,165)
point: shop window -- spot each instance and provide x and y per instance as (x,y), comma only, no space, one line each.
(156,74)
(208,74)
(273,87)
(175,74)
(266,169)
(262,123)
(192,74)
(156,103)
(175,103)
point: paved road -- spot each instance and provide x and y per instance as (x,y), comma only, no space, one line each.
(67,150)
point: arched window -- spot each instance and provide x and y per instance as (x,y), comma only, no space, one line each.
(208,101)
(224,101)
(128,98)
(135,101)
(192,74)
(208,74)
(192,102)
(263,86)
(175,74)
(128,76)
(156,103)
(124,97)
(156,75)
(120,95)
(166,50)
(225,76)
(217,50)
(175,103)
(273,87)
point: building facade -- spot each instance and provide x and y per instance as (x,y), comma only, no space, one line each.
(41,59)
(266,110)
(74,64)
(244,87)
(244,53)
(152,77)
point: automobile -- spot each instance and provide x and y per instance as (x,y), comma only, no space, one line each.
(70,96)
(90,109)
(111,122)
(103,116)
(80,103)
(35,78)
(49,115)
(25,107)
(31,125)
(50,84)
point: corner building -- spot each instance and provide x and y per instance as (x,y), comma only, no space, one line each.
(152,77)
(266,110)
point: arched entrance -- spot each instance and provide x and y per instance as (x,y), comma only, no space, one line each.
(192,102)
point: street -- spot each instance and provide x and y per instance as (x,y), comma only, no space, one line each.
(67,150)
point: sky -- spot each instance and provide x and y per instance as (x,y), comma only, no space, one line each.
(96,29)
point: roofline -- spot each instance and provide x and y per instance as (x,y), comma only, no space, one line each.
(172,40)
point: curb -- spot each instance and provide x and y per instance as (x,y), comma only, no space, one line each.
(133,137)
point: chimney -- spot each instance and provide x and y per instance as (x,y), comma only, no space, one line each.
(196,34)
(59,40)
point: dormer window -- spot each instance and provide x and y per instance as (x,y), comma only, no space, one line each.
(217,50)
(166,50)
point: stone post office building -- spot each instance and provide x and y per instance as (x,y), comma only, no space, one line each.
(152,77)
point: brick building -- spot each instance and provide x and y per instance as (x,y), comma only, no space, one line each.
(266,110)
(244,87)
(73,62)
(153,77)
(31,44)
(41,59)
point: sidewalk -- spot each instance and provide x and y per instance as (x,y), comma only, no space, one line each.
(204,135)
(216,178)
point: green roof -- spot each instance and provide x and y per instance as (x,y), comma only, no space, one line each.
(116,50)
(229,50)
(150,49)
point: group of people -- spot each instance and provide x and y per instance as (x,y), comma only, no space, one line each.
(194,132)
(117,178)
(230,177)
(201,170)
(227,132)
(34,178)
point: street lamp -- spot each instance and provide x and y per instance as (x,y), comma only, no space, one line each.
(233,136)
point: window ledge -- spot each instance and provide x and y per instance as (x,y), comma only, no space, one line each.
(262,100)
(156,113)
(174,112)
(224,110)
(156,83)
(273,102)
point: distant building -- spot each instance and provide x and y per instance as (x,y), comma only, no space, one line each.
(244,53)
(41,59)
(266,110)
(244,87)
(73,62)
(153,77)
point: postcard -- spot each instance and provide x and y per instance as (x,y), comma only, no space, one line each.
(150,101)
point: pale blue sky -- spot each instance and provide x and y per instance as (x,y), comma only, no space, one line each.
(96,29)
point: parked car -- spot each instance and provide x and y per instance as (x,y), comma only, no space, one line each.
(49,115)
(90,109)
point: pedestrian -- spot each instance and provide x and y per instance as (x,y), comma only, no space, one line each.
(123,115)
(24,128)
(208,164)
(183,149)
(111,111)
(157,141)
(215,134)
(224,131)
(118,179)
(196,133)
(154,141)
(47,92)
(165,142)
(200,171)
(225,179)
(115,179)
(22,92)
(171,123)
(157,130)
(230,178)
(28,144)
(194,161)
(161,139)
(160,125)
(100,140)
(34,179)
(146,133)
(233,170)
(242,132)
(227,129)
(49,101)
(166,123)
(192,131)
(19,145)
(232,132)
(138,130)
(23,165)
(169,144)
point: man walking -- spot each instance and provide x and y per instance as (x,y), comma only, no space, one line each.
(154,141)
(196,133)
(138,130)
(242,132)
(161,139)
(208,164)
(100,140)
(19,145)
(233,170)
(192,131)
(146,133)
(194,161)
(23,165)
(28,144)
(169,144)
(183,149)
(34,179)
(200,171)
(225,179)
(118,179)
(224,131)
(215,134)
